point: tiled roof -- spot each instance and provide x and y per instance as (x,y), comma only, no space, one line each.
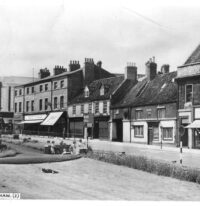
(194,57)
(110,85)
(162,89)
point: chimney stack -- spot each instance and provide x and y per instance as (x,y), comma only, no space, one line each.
(151,69)
(43,73)
(99,64)
(74,65)
(58,70)
(165,68)
(131,71)
(89,71)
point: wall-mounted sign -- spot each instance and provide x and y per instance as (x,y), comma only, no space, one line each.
(197,113)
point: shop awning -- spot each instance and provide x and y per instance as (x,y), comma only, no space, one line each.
(30,122)
(52,119)
(193,125)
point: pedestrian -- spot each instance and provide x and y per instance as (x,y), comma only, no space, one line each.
(52,147)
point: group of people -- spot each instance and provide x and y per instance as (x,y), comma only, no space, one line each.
(65,149)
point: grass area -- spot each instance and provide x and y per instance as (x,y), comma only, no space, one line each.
(8,153)
(148,165)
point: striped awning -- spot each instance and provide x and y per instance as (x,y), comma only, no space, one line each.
(52,119)
(193,125)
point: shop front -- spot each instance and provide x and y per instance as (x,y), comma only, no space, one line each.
(101,127)
(76,127)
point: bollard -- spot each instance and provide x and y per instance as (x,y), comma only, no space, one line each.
(181,151)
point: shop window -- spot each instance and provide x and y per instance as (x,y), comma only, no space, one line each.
(62,102)
(96,107)
(138,114)
(138,131)
(41,88)
(161,113)
(32,105)
(20,107)
(167,133)
(40,104)
(105,107)
(61,83)
(55,102)
(74,109)
(155,133)
(188,96)
(46,87)
(15,107)
(90,108)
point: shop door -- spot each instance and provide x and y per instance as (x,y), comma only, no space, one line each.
(119,126)
(96,129)
(150,135)
(184,138)
(103,129)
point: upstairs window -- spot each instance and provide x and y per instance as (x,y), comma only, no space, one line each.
(40,104)
(102,90)
(20,107)
(138,114)
(46,87)
(32,90)
(62,102)
(105,107)
(55,85)
(20,92)
(74,109)
(27,90)
(82,108)
(161,113)
(27,106)
(41,88)
(61,83)
(55,102)
(32,105)
(15,107)
(46,103)
(188,96)
(15,92)
(90,108)
(86,91)
(97,107)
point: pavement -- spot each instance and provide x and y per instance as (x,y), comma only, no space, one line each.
(190,157)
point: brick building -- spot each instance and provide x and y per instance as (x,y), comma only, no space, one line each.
(147,113)
(42,105)
(89,112)
(7,85)
(188,79)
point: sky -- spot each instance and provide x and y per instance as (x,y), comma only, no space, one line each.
(44,33)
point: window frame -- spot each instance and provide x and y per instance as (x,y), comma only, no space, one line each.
(96,109)
(168,138)
(46,87)
(55,85)
(41,88)
(186,92)
(32,105)
(158,113)
(74,109)
(40,105)
(62,102)
(137,129)
(20,106)
(105,107)
(139,111)
(55,102)
(62,84)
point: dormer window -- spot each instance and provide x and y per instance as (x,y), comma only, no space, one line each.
(86,91)
(102,90)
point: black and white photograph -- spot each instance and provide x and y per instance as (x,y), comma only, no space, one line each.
(100,100)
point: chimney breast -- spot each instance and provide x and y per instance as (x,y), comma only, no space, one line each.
(131,71)
(165,68)
(74,65)
(151,69)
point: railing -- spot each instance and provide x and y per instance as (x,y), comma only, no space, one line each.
(52,134)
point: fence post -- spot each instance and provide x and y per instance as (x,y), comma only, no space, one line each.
(181,151)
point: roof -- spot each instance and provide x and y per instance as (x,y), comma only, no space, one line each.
(14,80)
(110,85)
(194,57)
(162,89)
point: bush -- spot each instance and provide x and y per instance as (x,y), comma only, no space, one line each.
(148,165)
(15,136)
